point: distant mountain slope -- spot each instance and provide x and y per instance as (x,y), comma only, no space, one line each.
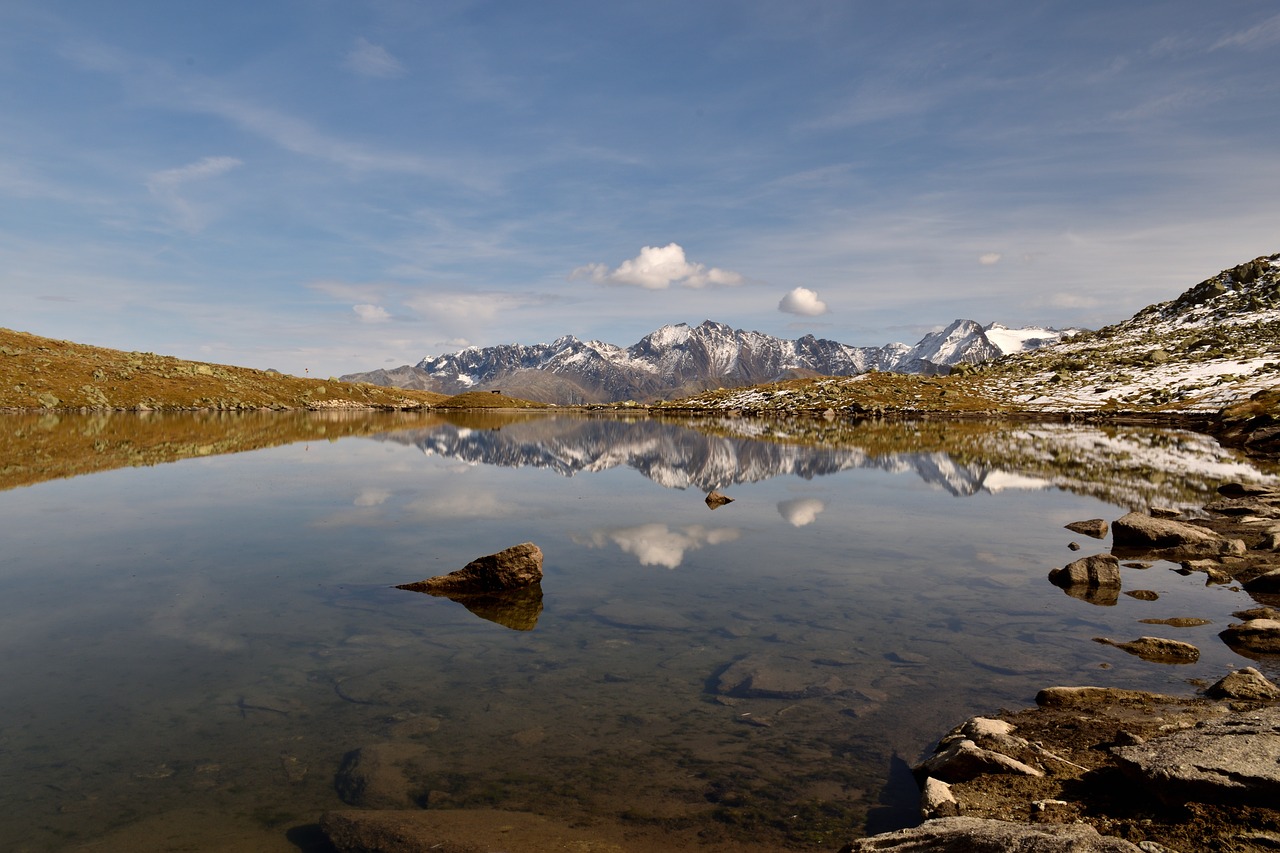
(1215,345)
(678,360)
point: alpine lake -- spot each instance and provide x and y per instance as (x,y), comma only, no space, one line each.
(199,623)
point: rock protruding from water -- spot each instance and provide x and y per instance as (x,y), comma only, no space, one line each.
(715,500)
(517,567)
(1235,760)
(1253,637)
(1095,527)
(1246,684)
(1100,571)
(1136,531)
(1156,649)
(983,835)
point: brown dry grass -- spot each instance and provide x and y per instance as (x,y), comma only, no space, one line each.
(42,373)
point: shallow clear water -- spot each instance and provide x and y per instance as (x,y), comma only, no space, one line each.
(214,635)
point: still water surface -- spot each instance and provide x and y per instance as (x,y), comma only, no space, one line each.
(189,650)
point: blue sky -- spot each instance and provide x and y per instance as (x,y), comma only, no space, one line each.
(327,186)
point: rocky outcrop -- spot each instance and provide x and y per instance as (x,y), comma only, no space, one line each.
(516,567)
(1136,531)
(1231,760)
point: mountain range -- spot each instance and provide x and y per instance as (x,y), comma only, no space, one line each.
(679,359)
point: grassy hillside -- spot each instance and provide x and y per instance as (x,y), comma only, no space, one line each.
(42,373)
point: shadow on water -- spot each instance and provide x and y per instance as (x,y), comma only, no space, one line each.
(899,801)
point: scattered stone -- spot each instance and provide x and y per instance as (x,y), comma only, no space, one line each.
(936,800)
(715,500)
(1254,637)
(1246,683)
(1163,512)
(1137,565)
(518,566)
(983,835)
(1156,649)
(1097,571)
(1243,506)
(1143,594)
(1136,530)
(1095,527)
(374,777)
(963,760)
(1257,613)
(1178,622)
(1240,490)
(779,677)
(1073,546)
(1234,760)
(1270,582)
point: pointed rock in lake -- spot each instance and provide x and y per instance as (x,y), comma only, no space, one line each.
(516,567)
(1095,527)
(1156,649)
(715,500)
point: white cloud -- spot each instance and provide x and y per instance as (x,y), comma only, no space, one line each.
(372,60)
(803,301)
(166,185)
(371,313)
(990,258)
(801,511)
(1262,35)
(656,268)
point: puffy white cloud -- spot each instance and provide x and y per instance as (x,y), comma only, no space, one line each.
(657,268)
(801,511)
(990,258)
(371,313)
(371,60)
(372,497)
(803,301)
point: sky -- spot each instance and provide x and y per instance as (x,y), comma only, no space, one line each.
(330,186)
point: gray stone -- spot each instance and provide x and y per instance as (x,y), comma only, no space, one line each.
(1270,582)
(1095,527)
(1136,530)
(1246,683)
(963,760)
(1235,760)
(936,800)
(516,567)
(1097,571)
(980,835)
(1256,636)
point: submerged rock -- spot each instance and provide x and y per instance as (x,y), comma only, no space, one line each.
(1156,649)
(376,776)
(517,566)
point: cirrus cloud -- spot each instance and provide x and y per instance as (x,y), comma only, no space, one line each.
(802,301)
(372,60)
(657,268)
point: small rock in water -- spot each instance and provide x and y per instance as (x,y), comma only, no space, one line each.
(1143,594)
(1074,546)
(1156,649)
(1095,527)
(1178,622)
(715,500)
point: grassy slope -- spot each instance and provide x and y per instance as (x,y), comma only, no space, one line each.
(42,373)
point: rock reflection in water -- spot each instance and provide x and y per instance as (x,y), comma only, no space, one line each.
(517,609)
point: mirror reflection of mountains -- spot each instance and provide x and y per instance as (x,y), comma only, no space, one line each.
(1125,466)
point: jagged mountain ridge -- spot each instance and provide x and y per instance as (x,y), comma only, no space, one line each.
(680,359)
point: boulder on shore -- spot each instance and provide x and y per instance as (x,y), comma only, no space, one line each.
(516,567)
